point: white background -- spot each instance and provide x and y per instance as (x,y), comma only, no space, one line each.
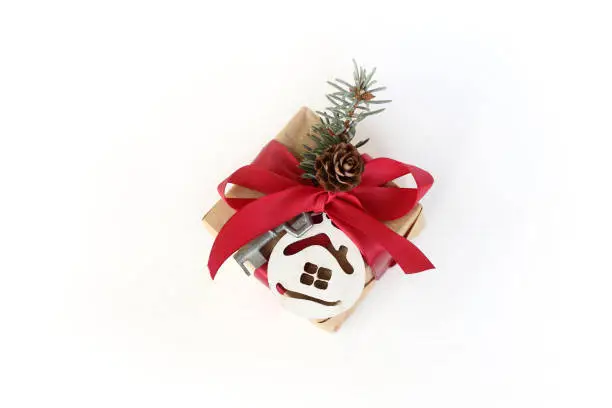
(119,118)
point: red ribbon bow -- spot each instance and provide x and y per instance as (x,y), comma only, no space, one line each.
(359,212)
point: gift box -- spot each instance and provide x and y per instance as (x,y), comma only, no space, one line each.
(294,136)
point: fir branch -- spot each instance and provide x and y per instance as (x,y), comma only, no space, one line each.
(350,105)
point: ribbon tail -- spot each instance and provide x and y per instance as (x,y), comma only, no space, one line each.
(404,252)
(257,218)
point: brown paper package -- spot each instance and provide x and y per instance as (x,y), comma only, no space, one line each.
(294,135)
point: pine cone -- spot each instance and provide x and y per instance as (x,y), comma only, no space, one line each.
(339,167)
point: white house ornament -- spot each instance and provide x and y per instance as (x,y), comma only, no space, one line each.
(318,274)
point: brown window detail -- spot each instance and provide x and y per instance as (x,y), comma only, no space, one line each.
(306,279)
(324,273)
(310,268)
(320,284)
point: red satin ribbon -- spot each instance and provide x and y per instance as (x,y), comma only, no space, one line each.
(359,212)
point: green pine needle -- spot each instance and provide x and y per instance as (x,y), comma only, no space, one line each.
(337,86)
(358,145)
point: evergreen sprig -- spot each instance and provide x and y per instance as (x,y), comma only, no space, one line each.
(350,105)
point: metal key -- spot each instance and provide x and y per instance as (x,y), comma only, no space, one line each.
(249,257)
